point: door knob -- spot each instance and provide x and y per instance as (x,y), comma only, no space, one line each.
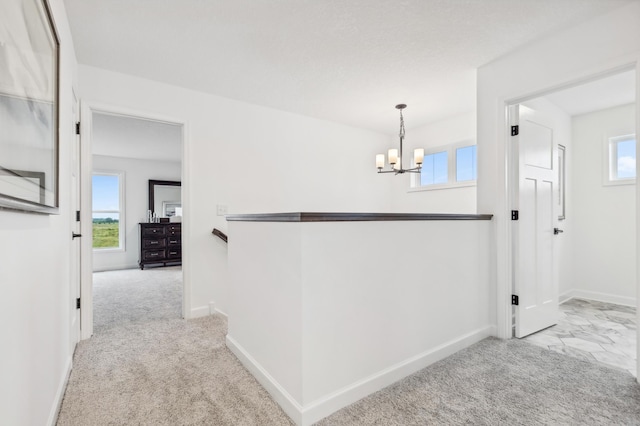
(557,231)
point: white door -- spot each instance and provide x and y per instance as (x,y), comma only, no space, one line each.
(535,278)
(75,228)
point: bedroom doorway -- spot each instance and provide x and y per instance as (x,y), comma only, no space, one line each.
(124,152)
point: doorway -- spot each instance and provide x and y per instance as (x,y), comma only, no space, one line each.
(595,198)
(125,151)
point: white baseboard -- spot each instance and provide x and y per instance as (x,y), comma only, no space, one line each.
(598,297)
(323,407)
(224,314)
(200,311)
(282,397)
(62,387)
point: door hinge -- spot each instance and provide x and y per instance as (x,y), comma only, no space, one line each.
(78,303)
(77,128)
(515,130)
(77,215)
(514,215)
(514,300)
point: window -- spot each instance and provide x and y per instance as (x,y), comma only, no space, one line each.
(446,167)
(107,210)
(466,164)
(434,169)
(621,160)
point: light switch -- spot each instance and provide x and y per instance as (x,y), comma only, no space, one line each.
(222,210)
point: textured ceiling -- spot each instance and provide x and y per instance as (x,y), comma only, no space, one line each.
(349,61)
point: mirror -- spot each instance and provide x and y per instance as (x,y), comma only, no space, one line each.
(165,198)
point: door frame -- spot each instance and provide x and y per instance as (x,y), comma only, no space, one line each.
(87,109)
(504,236)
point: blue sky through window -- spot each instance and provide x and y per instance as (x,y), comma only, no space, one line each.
(626,161)
(466,163)
(106,193)
(434,169)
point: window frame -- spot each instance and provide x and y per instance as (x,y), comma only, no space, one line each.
(451,150)
(610,158)
(121,212)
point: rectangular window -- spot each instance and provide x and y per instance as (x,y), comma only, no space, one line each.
(621,159)
(466,164)
(449,166)
(107,211)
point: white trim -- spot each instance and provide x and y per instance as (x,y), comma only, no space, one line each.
(504,240)
(200,311)
(62,387)
(598,297)
(282,397)
(323,407)
(608,158)
(88,108)
(218,311)
(452,169)
(436,187)
(122,225)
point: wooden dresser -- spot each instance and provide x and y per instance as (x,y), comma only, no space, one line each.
(160,244)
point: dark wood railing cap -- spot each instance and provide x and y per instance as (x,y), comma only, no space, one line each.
(350,217)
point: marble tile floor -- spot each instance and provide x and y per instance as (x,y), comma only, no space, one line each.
(593,331)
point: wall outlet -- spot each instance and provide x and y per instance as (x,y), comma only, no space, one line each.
(222,210)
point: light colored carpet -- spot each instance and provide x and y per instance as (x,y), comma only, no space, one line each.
(145,365)
(168,371)
(133,296)
(497,382)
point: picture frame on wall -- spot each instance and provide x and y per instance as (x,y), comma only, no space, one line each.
(29,107)
(561,182)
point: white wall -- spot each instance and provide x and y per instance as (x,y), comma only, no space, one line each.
(35,274)
(331,312)
(250,158)
(604,43)
(459,128)
(604,228)
(136,178)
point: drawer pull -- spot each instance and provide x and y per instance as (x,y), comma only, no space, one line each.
(151,243)
(153,254)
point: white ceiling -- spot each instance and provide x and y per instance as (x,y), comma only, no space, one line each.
(128,137)
(348,61)
(608,92)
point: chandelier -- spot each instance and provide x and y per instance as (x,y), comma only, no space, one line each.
(395,157)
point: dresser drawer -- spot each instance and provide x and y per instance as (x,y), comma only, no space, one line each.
(150,230)
(174,253)
(174,240)
(153,254)
(150,243)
